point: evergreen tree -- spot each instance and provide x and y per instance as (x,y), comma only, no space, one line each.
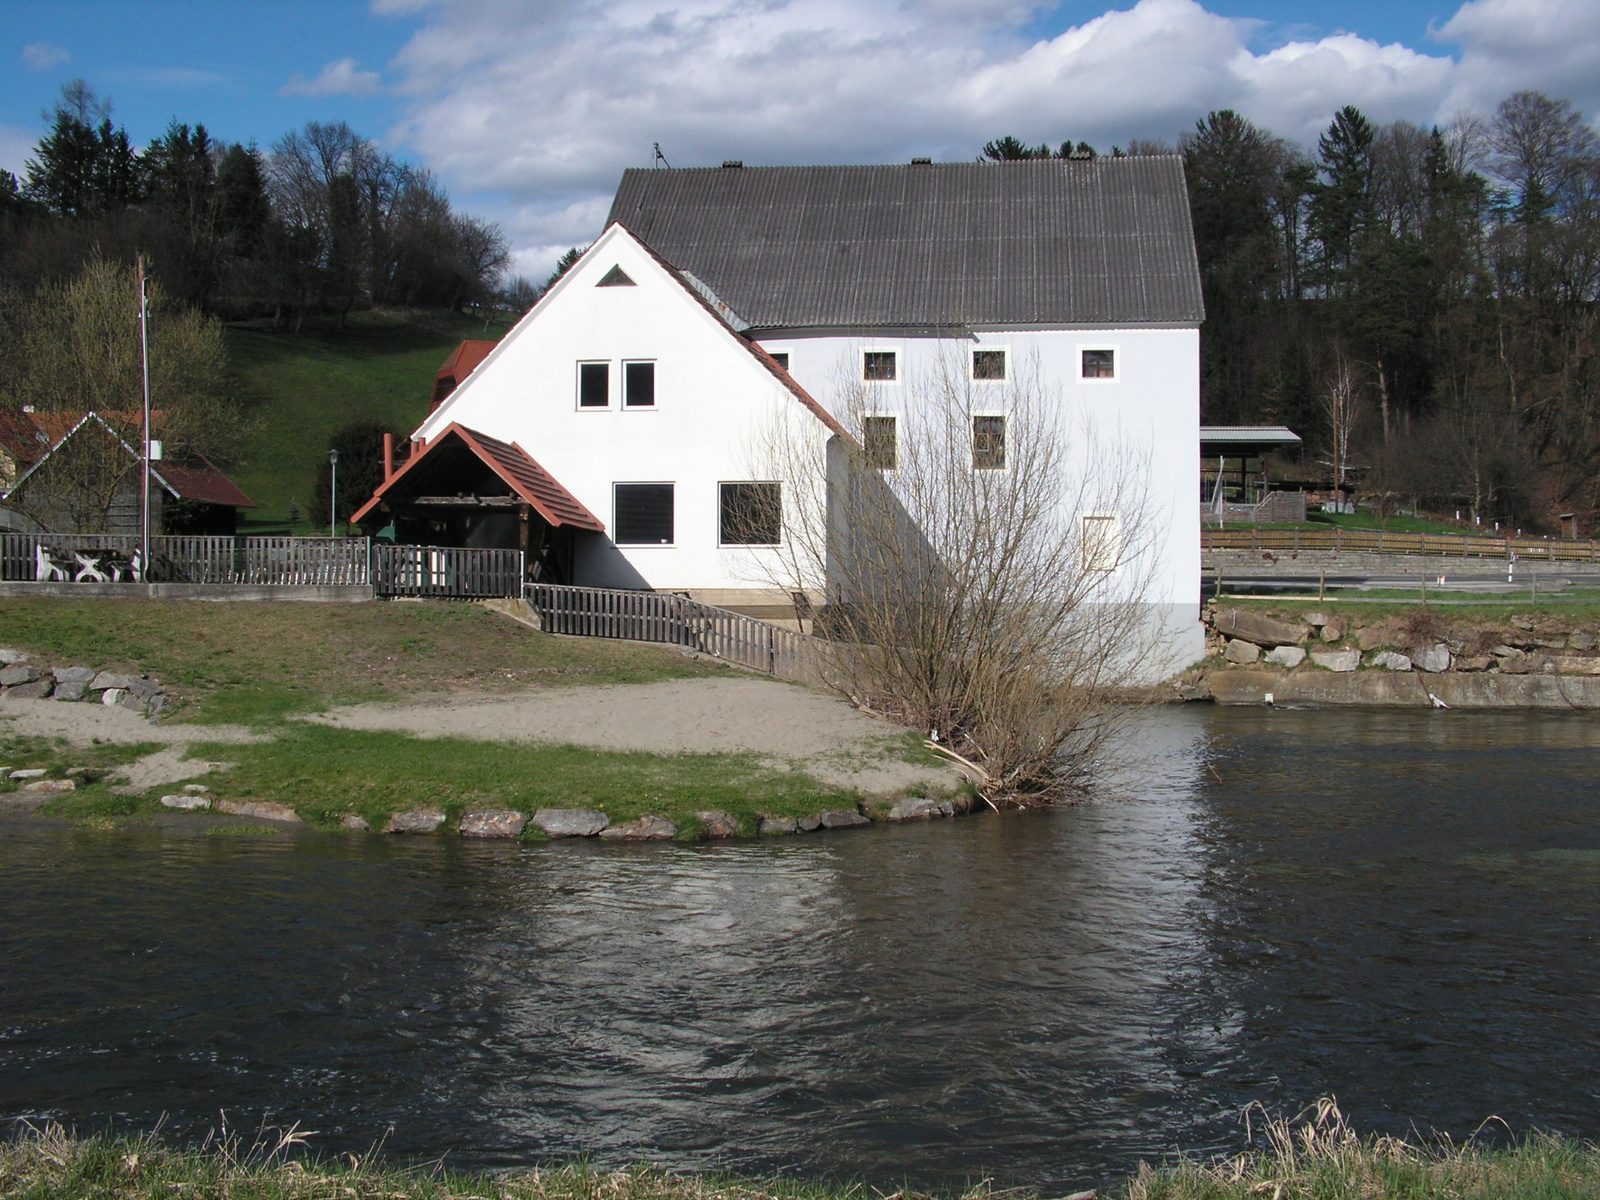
(1341,202)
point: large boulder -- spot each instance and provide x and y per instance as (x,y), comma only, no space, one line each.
(1337,660)
(39,689)
(1573,664)
(570,822)
(842,818)
(648,828)
(1333,630)
(355,821)
(8,657)
(1389,660)
(1433,658)
(265,810)
(493,823)
(22,773)
(1249,626)
(416,820)
(1583,639)
(69,691)
(81,675)
(17,674)
(778,825)
(1382,633)
(808,824)
(714,823)
(105,679)
(1286,656)
(1242,652)
(917,808)
(186,803)
(49,787)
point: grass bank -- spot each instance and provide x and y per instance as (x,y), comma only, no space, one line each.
(1318,1158)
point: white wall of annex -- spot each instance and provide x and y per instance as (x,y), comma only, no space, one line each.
(715,406)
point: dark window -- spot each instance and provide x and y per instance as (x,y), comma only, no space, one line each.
(878,446)
(594,385)
(781,357)
(988,364)
(639,385)
(644,514)
(616,277)
(878,366)
(750,514)
(1099,364)
(988,443)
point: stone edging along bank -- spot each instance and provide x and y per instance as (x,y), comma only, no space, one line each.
(1422,660)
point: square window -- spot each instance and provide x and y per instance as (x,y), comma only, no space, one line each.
(644,514)
(878,366)
(781,357)
(594,385)
(879,447)
(1099,364)
(639,385)
(750,514)
(988,443)
(1101,547)
(988,364)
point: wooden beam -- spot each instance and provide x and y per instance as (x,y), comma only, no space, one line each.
(466,501)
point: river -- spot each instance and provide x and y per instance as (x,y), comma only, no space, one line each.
(1399,908)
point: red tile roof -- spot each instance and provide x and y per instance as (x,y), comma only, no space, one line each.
(515,467)
(463,360)
(201,482)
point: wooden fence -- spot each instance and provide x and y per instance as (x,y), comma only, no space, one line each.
(260,561)
(1378,541)
(445,571)
(677,621)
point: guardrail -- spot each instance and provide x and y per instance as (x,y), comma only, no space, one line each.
(674,620)
(1378,541)
(445,571)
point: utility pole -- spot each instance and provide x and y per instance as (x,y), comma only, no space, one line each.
(144,458)
(333,494)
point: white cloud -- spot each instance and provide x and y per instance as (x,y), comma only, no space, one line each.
(544,102)
(16,148)
(339,78)
(41,56)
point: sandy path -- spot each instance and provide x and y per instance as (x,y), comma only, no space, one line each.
(789,725)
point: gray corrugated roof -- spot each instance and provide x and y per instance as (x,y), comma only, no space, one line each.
(1060,242)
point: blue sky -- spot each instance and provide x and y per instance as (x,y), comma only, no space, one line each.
(529,109)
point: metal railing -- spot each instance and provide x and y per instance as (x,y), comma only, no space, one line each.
(445,571)
(1378,541)
(674,620)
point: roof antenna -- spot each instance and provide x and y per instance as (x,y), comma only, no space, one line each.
(660,159)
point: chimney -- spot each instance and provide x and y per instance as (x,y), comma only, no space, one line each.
(388,457)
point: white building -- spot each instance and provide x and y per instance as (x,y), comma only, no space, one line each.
(615,431)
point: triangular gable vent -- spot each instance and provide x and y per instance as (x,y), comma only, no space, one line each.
(616,277)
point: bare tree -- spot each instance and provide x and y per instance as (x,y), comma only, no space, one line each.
(982,566)
(1340,401)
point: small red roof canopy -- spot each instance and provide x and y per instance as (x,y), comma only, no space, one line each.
(463,360)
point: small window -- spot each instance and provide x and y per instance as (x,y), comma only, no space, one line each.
(644,514)
(781,357)
(616,277)
(879,448)
(1099,364)
(1102,543)
(594,385)
(639,385)
(750,514)
(988,443)
(878,366)
(988,364)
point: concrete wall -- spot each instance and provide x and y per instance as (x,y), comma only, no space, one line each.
(1264,562)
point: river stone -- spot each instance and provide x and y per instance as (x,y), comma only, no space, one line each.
(1389,660)
(1572,664)
(648,828)
(47,787)
(186,803)
(1333,631)
(73,674)
(355,821)
(1257,628)
(1286,656)
(1242,652)
(196,789)
(112,696)
(1384,633)
(69,691)
(916,808)
(9,657)
(1317,619)
(39,689)
(144,689)
(1582,639)
(1473,662)
(808,824)
(842,818)
(570,822)
(417,820)
(105,679)
(1336,660)
(17,674)
(30,773)
(778,825)
(266,810)
(492,823)
(131,701)
(1433,659)
(717,824)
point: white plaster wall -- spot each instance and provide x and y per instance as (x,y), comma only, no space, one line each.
(715,403)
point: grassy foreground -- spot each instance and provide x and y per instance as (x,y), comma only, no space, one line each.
(263,664)
(1317,1158)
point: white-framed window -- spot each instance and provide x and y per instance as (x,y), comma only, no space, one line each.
(594,385)
(643,513)
(1100,546)
(990,364)
(988,442)
(880,442)
(638,385)
(750,513)
(880,366)
(1099,363)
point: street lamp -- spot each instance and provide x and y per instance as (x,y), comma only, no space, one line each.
(333,491)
